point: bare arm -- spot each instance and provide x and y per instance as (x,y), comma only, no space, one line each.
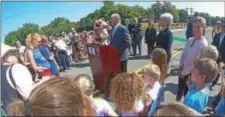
(32,62)
(104,35)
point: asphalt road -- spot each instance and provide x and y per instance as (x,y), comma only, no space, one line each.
(135,63)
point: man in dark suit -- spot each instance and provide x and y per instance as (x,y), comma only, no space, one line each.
(150,37)
(219,42)
(121,40)
(129,27)
(137,36)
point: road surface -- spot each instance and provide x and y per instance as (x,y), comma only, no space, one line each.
(136,63)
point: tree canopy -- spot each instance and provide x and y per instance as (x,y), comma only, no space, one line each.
(61,24)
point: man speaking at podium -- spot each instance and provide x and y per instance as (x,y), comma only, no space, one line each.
(120,38)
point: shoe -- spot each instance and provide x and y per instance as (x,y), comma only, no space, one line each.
(62,70)
(178,99)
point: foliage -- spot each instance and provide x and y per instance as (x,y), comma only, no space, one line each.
(61,24)
(21,33)
(183,15)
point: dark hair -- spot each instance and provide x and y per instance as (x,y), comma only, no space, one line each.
(196,14)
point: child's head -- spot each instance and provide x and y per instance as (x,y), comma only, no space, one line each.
(159,57)
(126,89)
(209,52)
(151,73)
(176,109)
(204,70)
(85,82)
(54,97)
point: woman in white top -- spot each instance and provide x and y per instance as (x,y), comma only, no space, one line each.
(191,52)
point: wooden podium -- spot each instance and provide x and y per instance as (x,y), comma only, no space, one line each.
(105,64)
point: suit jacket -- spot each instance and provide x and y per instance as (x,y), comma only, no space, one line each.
(221,48)
(137,32)
(150,35)
(189,31)
(122,41)
(164,40)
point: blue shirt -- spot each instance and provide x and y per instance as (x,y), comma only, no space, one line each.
(196,99)
(46,53)
(40,60)
(220,107)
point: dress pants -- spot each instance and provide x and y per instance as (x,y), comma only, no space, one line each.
(64,59)
(123,66)
(150,47)
(182,87)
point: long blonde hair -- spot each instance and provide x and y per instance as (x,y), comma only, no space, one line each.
(30,38)
(160,59)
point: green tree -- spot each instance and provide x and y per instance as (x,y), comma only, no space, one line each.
(183,15)
(168,7)
(11,38)
(58,25)
(21,34)
(157,9)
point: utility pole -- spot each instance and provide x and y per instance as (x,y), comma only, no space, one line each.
(192,11)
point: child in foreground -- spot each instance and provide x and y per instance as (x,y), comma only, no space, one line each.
(204,71)
(151,77)
(126,92)
(86,84)
(176,109)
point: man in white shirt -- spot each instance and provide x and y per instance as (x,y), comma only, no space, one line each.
(62,50)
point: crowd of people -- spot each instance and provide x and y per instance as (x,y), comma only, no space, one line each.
(31,84)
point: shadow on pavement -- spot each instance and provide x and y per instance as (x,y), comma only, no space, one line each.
(80,65)
(171,87)
(173,71)
(138,57)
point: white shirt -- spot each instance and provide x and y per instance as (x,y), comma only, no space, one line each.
(22,49)
(222,37)
(191,52)
(114,29)
(60,44)
(153,92)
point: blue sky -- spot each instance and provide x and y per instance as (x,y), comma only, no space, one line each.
(15,14)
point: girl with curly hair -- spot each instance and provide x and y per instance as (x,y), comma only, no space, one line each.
(159,57)
(126,92)
(86,84)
